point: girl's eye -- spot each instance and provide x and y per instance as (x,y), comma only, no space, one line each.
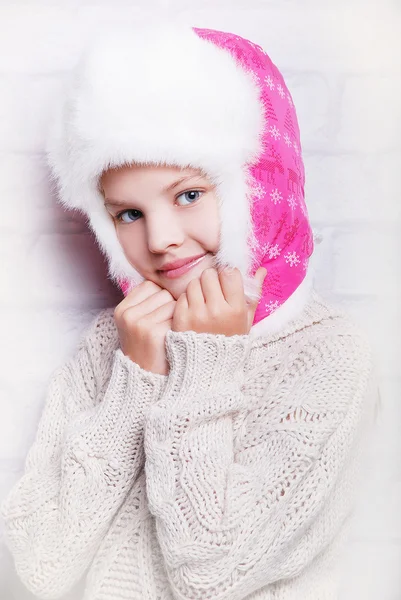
(191,195)
(123,212)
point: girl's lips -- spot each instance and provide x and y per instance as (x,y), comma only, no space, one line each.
(173,273)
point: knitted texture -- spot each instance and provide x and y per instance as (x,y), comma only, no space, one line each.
(233,477)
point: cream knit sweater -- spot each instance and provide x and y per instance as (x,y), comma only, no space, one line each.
(233,477)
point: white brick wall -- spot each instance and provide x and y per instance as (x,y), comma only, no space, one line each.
(342,62)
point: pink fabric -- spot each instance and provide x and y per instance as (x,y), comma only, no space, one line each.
(282,229)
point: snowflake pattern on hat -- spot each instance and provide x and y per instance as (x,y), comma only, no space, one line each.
(282,235)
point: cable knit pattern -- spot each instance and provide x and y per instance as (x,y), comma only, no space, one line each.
(233,477)
(87,453)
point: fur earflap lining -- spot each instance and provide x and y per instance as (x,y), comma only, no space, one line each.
(161,96)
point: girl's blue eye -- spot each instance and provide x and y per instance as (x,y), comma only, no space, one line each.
(190,195)
(131,210)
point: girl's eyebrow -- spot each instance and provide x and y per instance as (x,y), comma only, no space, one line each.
(179,181)
(111,202)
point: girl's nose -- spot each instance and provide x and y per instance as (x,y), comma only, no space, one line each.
(163,230)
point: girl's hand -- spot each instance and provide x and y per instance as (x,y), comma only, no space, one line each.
(143,319)
(216,303)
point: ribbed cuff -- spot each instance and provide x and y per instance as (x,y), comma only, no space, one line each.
(206,372)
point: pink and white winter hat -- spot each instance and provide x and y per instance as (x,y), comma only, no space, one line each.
(190,97)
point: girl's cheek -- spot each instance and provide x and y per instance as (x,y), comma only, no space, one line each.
(132,248)
(206,226)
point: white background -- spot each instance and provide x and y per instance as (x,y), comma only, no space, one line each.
(341,62)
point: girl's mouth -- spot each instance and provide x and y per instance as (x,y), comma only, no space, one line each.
(173,273)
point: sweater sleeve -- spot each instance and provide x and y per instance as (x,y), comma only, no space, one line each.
(249,485)
(87,452)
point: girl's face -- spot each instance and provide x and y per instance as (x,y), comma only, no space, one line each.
(164,214)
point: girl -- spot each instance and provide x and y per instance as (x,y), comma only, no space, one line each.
(204,441)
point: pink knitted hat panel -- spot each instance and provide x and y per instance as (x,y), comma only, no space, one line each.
(284,239)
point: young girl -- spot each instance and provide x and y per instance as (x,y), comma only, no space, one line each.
(205,439)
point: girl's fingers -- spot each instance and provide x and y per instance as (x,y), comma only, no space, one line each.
(182,302)
(180,312)
(232,287)
(194,294)
(150,304)
(260,277)
(167,325)
(211,288)
(163,313)
(253,304)
(137,295)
